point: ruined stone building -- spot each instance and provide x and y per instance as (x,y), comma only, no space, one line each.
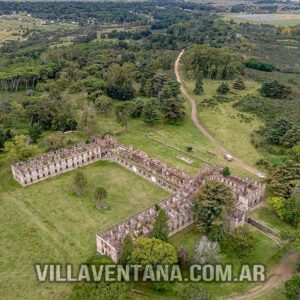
(63,160)
(183,187)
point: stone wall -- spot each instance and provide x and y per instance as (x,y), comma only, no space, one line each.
(63,160)
(183,187)
(178,209)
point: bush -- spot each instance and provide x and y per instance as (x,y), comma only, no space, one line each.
(239,84)
(194,292)
(292,288)
(259,65)
(223,88)
(275,90)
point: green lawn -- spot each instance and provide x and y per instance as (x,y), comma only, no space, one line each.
(47,222)
(264,252)
(267,216)
(226,123)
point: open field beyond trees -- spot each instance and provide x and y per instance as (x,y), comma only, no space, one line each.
(272,19)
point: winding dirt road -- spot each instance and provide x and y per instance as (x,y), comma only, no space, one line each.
(285,268)
(200,127)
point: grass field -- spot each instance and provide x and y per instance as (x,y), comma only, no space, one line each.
(226,123)
(12,28)
(264,252)
(272,19)
(47,222)
(266,215)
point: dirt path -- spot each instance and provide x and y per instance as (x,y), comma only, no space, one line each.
(283,272)
(285,269)
(200,127)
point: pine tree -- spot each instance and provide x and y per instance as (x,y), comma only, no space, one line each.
(126,250)
(199,84)
(223,88)
(160,228)
(173,110)
(152,114)
(226,171)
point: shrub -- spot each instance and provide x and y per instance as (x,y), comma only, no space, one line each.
(259,65)
(239,84)
(223,88)
(274,89)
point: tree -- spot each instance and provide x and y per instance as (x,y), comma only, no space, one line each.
(292,288)
(211,207)
(160,227)
(194,292)
(5,135)
(103,104)
(120,80)
(87,120)
(138,107)
(239,84)
(100,195)
(293,237)
(154,85)
(274,89)
(154,252)
(242,242)
(122,112)
(19,150)
(151,113)
(294,153)
(226,171)
(276,130)
(290,138)
(259,65)
(54,141)
(173,110)
(100,290)
(79,183)
(223,88)
(287,210)
(199,84)
(34,133)
(183,256)
(126,250)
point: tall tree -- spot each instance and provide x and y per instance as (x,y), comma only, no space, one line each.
(173,110)
(160,227)
(79,183)
(100,195)
(154,252)
(87,120)
(18,149)
(199,84)
(211,207)
(103,104)
(151,113)
(122,112)
(126,250)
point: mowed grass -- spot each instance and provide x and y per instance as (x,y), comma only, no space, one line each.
(225,122)
(47,222)
(179,136)
(272,19)
(265,251)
